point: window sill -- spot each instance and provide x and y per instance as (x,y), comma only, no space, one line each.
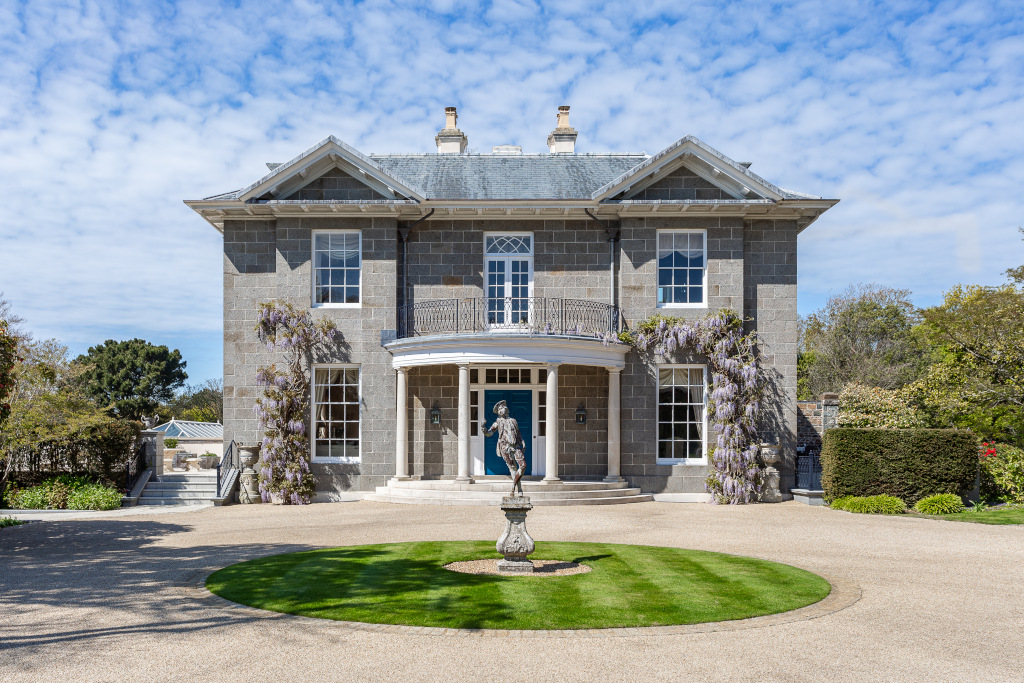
(682,461)
(359,305)
(682,305)
(336,461)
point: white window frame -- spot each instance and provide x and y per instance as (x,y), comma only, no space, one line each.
(657,406)
(313,269)
(313,412)
(657,266)
(531,257)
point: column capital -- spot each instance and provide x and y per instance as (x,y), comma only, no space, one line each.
(610,368)
(464,364)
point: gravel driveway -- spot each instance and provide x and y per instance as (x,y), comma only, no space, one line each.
(114,599)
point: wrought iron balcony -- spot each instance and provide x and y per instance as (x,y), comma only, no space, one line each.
(532,315)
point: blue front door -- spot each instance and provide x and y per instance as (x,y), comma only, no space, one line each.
(520,406)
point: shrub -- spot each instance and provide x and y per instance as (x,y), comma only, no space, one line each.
(940,504)
(861,406)
(906,463)
(873,505)
(10,521)
(94,497)
(66,492)
(170,443)
(1002,472)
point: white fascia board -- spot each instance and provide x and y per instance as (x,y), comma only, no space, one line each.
(481,349)
(331,145)
(689,146)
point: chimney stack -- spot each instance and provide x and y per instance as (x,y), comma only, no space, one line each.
(450,140)
(562,140)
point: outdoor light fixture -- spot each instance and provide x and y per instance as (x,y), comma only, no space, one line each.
(435,415)
(581,415)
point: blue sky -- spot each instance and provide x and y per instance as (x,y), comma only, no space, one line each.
(112,113)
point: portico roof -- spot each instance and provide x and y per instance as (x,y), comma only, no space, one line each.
(506,348)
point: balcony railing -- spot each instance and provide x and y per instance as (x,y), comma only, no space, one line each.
(533,315)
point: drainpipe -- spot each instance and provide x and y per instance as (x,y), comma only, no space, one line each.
(403,237)
(613,236)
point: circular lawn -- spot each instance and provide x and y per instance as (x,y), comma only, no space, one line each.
(628,586)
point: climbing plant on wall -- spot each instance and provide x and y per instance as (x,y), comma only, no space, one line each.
(284,457)
(734,402)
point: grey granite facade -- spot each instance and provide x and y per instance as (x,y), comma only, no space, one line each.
(751,250)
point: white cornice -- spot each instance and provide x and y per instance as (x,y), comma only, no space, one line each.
(505,348)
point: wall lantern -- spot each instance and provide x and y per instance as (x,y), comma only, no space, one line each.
(581,415)
(435,415)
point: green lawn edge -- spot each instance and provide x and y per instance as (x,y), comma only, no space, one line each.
(1005,517)
(629,586)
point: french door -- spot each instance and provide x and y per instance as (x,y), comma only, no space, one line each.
(508,273)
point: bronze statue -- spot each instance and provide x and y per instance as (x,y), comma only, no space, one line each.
(510,444)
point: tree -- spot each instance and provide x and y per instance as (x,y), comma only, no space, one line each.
(131,378)
(198,402)
(977,381)
(1017,274)
(864,335)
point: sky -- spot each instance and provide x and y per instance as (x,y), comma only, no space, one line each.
(112,113)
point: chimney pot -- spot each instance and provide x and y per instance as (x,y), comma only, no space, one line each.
(562,140)
(451,140)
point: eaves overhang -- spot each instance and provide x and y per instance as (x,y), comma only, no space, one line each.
(804,211)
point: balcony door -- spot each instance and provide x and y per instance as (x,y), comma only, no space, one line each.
(508,273)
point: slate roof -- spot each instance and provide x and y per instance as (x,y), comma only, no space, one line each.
(186,429)
(507,176)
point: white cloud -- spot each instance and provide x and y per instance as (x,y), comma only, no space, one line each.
(110,115)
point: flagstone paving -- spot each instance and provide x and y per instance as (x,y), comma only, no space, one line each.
(121,598)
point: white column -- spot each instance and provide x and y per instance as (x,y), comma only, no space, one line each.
(551,439)
(614,434)
(402,425)
(463,423)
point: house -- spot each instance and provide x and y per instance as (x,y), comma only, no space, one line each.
(460,279)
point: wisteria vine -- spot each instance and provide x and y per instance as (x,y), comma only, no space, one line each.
(282,412)
(734,403)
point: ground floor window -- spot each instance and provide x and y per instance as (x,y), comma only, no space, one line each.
(682,418)
(336,413)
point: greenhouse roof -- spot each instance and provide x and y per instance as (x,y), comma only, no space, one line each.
(184,429)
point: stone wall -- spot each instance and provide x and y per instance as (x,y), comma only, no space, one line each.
(682,184)
(335,185)
(266,260)
(583,448)
(813,418)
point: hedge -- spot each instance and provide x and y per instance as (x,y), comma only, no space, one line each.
(907,463)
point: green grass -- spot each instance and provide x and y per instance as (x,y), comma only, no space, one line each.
(996,516)
(405,583)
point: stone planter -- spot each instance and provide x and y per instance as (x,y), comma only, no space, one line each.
(208,462)
(249,488)
(277,499)
(770,455)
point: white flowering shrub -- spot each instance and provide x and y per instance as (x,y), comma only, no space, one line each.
(873,407)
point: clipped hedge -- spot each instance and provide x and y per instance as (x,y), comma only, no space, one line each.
(906,463)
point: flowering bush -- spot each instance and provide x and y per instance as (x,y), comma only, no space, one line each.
(735,398)
(284,456)
(1002,471)
(874,407)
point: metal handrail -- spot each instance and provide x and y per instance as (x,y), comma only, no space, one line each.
(229,462)
(535,314)
(134,468)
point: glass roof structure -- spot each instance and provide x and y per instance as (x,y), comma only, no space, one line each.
(184,429)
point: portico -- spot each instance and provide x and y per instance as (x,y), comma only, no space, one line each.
(494,365)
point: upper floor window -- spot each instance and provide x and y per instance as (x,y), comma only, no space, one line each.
(682,267)
(337,262)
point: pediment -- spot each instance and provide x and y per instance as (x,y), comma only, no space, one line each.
(689,170)
(331,171)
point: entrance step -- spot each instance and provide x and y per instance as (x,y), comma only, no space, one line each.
(487,491)
(180,489)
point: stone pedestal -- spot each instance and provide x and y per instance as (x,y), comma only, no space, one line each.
(515,543)
(248,480)
(770,455)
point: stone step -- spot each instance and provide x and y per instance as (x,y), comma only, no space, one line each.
(380,498)
(183,495)
(182,485)
(146,500)
(488,494)
(503,484)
